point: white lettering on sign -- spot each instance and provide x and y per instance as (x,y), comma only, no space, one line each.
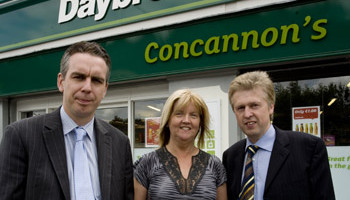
(84,8)
(299,111)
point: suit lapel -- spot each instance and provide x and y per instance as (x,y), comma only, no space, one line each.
(55,145)
(279,154)
(104,151)
(239,160)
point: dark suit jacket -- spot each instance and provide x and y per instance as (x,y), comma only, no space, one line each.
(298,168)
(33,162)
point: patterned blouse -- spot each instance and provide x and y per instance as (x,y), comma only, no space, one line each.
(160,174)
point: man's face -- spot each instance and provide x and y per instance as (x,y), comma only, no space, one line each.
(83,87)
(252,112)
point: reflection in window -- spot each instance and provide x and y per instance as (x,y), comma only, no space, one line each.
(33,113)
(145,109)
(334,117)
(50,110)
(118,117)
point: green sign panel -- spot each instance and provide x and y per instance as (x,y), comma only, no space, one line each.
(40,21)
(305,31)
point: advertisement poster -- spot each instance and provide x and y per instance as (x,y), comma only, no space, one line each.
(212,145)
(339,162)
(151,127)
(307,120)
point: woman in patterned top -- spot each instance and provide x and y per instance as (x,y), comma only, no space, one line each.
(178,169)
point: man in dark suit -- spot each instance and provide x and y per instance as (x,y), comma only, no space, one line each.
(37,155)
(286,164)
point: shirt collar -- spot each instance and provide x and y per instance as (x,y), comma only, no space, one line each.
(68,124)
(266,141)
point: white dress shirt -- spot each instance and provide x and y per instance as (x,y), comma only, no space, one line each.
(261,161)
(90,143)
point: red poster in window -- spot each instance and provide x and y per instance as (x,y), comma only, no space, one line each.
(306,113)
(307,120)
(151,128)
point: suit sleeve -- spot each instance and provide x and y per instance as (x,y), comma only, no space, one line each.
(320,175)
(224,159)
(129,175)
(13,165)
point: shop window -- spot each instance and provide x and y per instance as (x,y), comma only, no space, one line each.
(329,97)
(50,110)
(32,113)
(146,123)
(118,117)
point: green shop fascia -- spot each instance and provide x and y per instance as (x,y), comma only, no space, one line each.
(314,30)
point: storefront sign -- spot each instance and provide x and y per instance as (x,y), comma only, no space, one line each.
(307,31)
(46,20)
(234,42)
(71,8)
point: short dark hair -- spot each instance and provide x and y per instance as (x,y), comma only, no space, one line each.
(92,48)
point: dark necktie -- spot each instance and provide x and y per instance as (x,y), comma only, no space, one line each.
(247,191)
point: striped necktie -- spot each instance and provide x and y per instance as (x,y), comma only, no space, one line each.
(247,191)
(82,179)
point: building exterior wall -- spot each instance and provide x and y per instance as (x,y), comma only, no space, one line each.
(318,31)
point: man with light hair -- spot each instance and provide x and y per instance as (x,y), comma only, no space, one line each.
(272,163)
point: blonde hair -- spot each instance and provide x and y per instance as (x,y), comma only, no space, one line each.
(252,80)
(183,97)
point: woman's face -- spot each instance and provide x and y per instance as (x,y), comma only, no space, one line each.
(184,124)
